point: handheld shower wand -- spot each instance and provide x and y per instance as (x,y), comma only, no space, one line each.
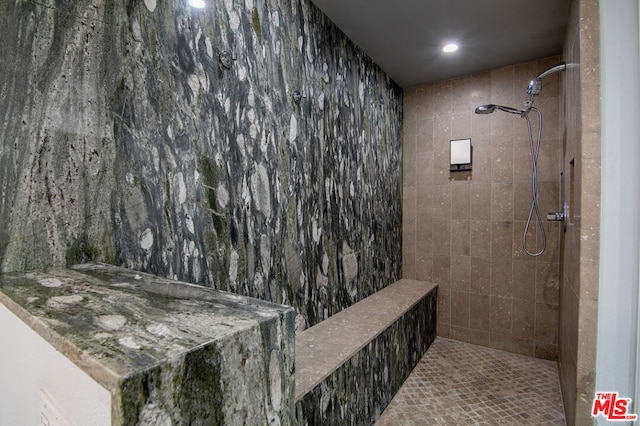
(489,108)
(534,212)
(534,88)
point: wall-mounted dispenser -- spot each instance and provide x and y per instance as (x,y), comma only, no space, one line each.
(460,155)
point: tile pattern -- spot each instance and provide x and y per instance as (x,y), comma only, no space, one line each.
(463,230)
(579,289)
(458,383)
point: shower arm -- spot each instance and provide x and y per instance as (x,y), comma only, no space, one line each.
(535,86)
(562,66)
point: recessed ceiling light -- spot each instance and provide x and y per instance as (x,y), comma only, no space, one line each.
(198,4)
(452,47)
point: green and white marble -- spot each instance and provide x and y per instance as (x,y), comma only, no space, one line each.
(124,140)
(168,352)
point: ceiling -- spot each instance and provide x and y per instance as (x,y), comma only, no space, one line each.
(405,37)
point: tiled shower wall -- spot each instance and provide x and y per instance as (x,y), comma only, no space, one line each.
(125,140)
(580,256)
(463,230)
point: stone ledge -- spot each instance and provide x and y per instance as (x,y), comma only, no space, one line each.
(349,366)
(164,350)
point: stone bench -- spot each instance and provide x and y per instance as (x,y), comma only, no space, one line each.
(349,366)
(139,349)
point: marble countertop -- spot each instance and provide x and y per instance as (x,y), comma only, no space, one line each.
(113,322)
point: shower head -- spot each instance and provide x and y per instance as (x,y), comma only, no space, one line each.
(536,84)
(485,109)
(488,109)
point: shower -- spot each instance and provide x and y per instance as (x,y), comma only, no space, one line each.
(488,109)
(534,88)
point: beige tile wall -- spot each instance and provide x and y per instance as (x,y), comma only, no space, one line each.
(579,295)
(463,230)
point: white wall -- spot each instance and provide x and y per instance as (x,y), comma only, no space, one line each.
(637,390)
(29,365)
(616,368)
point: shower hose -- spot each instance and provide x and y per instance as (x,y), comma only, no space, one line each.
(534,210)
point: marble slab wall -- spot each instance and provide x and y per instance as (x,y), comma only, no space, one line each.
(125,140)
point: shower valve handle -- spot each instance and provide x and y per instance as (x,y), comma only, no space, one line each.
(562,216)
(555,216)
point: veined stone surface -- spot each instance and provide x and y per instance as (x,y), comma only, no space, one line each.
(168,352)
(125,140)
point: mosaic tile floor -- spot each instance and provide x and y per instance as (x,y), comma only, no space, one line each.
(458,383)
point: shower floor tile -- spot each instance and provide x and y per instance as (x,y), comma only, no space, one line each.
(458,383)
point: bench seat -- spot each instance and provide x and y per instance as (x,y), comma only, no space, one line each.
(349,366)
